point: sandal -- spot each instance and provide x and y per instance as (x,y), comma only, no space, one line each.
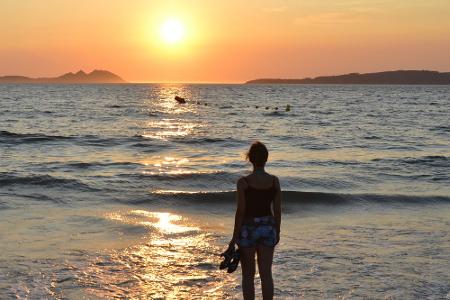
(228,256)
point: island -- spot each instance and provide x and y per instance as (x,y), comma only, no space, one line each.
(387,77)
(96,76)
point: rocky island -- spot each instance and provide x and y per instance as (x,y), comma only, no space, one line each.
(96,76)
(387,77)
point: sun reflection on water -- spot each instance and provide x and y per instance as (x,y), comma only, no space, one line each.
(166,222)
(176,260)
(170,128)
(174,119)
(166,161)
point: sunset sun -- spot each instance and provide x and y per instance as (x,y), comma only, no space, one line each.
(172,31)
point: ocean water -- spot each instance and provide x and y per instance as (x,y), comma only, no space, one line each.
(118,191)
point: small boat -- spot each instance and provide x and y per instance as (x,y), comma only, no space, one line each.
(180,99)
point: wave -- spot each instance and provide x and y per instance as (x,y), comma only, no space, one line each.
(7,137)
(190,140)
(18,138)
(87,165)
(3,204)
(221,176)
(38,197)
(93,140)
(372,137)
(430,160)
(42,180)
(207,140)
(139,141)
(442,128)
(303,198)
(333,162)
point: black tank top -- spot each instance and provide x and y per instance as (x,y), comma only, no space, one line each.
(258,201)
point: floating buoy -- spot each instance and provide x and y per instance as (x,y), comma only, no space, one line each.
(267,107)
(256,106)
(276,108)
(288,107)
(206,104)
(180,100)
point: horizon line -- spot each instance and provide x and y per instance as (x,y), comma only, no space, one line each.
(221,82)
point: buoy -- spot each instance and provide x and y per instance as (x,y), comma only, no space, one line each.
(206,104)
(276,108)
(256,106)
(180,100)
(267,107)
(288,107)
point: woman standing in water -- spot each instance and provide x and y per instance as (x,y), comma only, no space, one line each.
(257,222)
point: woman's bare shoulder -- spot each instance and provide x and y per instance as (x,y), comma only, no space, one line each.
(242,182)
(275,180)
(274,177)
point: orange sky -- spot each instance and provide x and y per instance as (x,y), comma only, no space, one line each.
(225,41)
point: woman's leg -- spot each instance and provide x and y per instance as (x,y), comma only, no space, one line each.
(248,272)
(265,258)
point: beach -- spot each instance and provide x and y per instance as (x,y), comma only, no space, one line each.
(117,190)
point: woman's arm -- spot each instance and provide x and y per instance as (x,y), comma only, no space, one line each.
(277,207)
(239,217)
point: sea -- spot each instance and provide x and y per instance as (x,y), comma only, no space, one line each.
(118,191)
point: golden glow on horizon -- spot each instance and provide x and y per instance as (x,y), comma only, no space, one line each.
(222,41)
(172,31)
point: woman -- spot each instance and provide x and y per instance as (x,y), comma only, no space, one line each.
(257,222)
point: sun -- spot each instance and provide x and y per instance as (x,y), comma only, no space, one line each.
(172,31)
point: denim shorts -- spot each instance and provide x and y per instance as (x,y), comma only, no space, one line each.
(258,231)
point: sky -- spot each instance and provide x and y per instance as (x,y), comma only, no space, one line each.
(223,41)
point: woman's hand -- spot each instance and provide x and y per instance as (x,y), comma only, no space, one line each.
(278,236)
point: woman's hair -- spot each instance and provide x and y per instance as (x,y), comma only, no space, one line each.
(257,154)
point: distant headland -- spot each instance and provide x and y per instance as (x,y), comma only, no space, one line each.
(387,77)
(96,76)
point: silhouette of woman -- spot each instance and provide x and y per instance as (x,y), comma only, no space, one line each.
(257,222)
